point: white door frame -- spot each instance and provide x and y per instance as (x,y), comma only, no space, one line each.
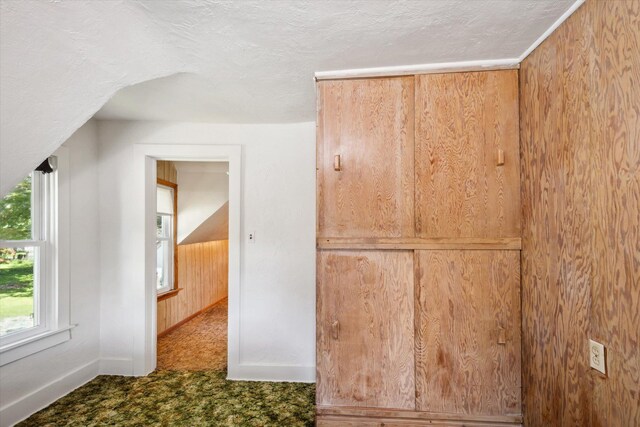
(143,321)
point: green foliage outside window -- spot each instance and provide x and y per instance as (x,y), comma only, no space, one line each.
(15,213)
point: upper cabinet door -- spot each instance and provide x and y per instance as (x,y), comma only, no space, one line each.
(365,158)
(467,170)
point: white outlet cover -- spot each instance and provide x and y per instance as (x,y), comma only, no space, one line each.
(251,237)
(597,358)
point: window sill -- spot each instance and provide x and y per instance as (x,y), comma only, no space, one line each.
(37,343)
(169,294)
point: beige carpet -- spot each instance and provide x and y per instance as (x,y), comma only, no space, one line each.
(198,345)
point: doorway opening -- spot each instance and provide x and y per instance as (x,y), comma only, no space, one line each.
(192,264)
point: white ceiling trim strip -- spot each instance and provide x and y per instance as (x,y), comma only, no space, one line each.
(447,67)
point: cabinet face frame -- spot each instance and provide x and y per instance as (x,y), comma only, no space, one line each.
(467,156)
(468,332)
(368,190)
(365,329)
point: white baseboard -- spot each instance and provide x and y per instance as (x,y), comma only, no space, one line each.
(116,366)
(279,373)
(22,408)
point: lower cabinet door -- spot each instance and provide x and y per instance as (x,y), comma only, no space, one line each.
(365,328)
(468,332)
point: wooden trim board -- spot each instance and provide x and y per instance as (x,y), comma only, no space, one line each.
(174,186)
(411,70)
(506,243)
(323,411)
(169,294)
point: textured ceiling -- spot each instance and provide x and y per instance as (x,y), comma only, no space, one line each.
(240,61)
(253,61)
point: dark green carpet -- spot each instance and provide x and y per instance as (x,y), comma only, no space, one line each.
(180,398)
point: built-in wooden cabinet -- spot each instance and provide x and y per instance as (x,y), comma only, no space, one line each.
(365,329)
(418,268)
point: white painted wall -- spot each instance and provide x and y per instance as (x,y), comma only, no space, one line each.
(200,194)
(60,62)
(28,384)
(277,327)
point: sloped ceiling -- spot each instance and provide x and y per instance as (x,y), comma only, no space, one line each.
(221,61)
(216,227)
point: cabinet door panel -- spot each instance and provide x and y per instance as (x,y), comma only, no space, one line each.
(462,120)
(369,124)
(468,332)
(365,346)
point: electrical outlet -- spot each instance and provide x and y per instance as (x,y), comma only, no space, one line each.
(597,356)
(252,237)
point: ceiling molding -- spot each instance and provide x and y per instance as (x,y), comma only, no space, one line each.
(407,70)
(551,29)
(447,67)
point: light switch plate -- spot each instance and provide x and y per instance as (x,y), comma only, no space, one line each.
(597,358)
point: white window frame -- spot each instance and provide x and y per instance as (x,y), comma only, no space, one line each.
(50,225)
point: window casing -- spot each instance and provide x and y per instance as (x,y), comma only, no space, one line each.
(165,237)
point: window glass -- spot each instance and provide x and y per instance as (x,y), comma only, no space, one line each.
(19,257)
(165,200)
(17,286)
(163,258)
(164,226)
(15,213)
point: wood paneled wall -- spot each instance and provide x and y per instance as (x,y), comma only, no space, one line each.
(167,171)
(203,278)
(580,148)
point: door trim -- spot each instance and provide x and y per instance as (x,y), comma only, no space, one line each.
(143,321)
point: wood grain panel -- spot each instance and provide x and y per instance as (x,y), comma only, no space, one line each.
(580,130)
(511,243)
(325,421)
(615,291)
(365,346)
(417,416)
(468,332)
(462,120)
(167,171)
(204,269)
(369,124)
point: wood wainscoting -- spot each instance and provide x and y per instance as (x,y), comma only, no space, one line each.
(167,171)
(203,278)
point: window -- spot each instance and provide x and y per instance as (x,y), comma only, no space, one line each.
(23,253)
(165,237)
(33,287)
